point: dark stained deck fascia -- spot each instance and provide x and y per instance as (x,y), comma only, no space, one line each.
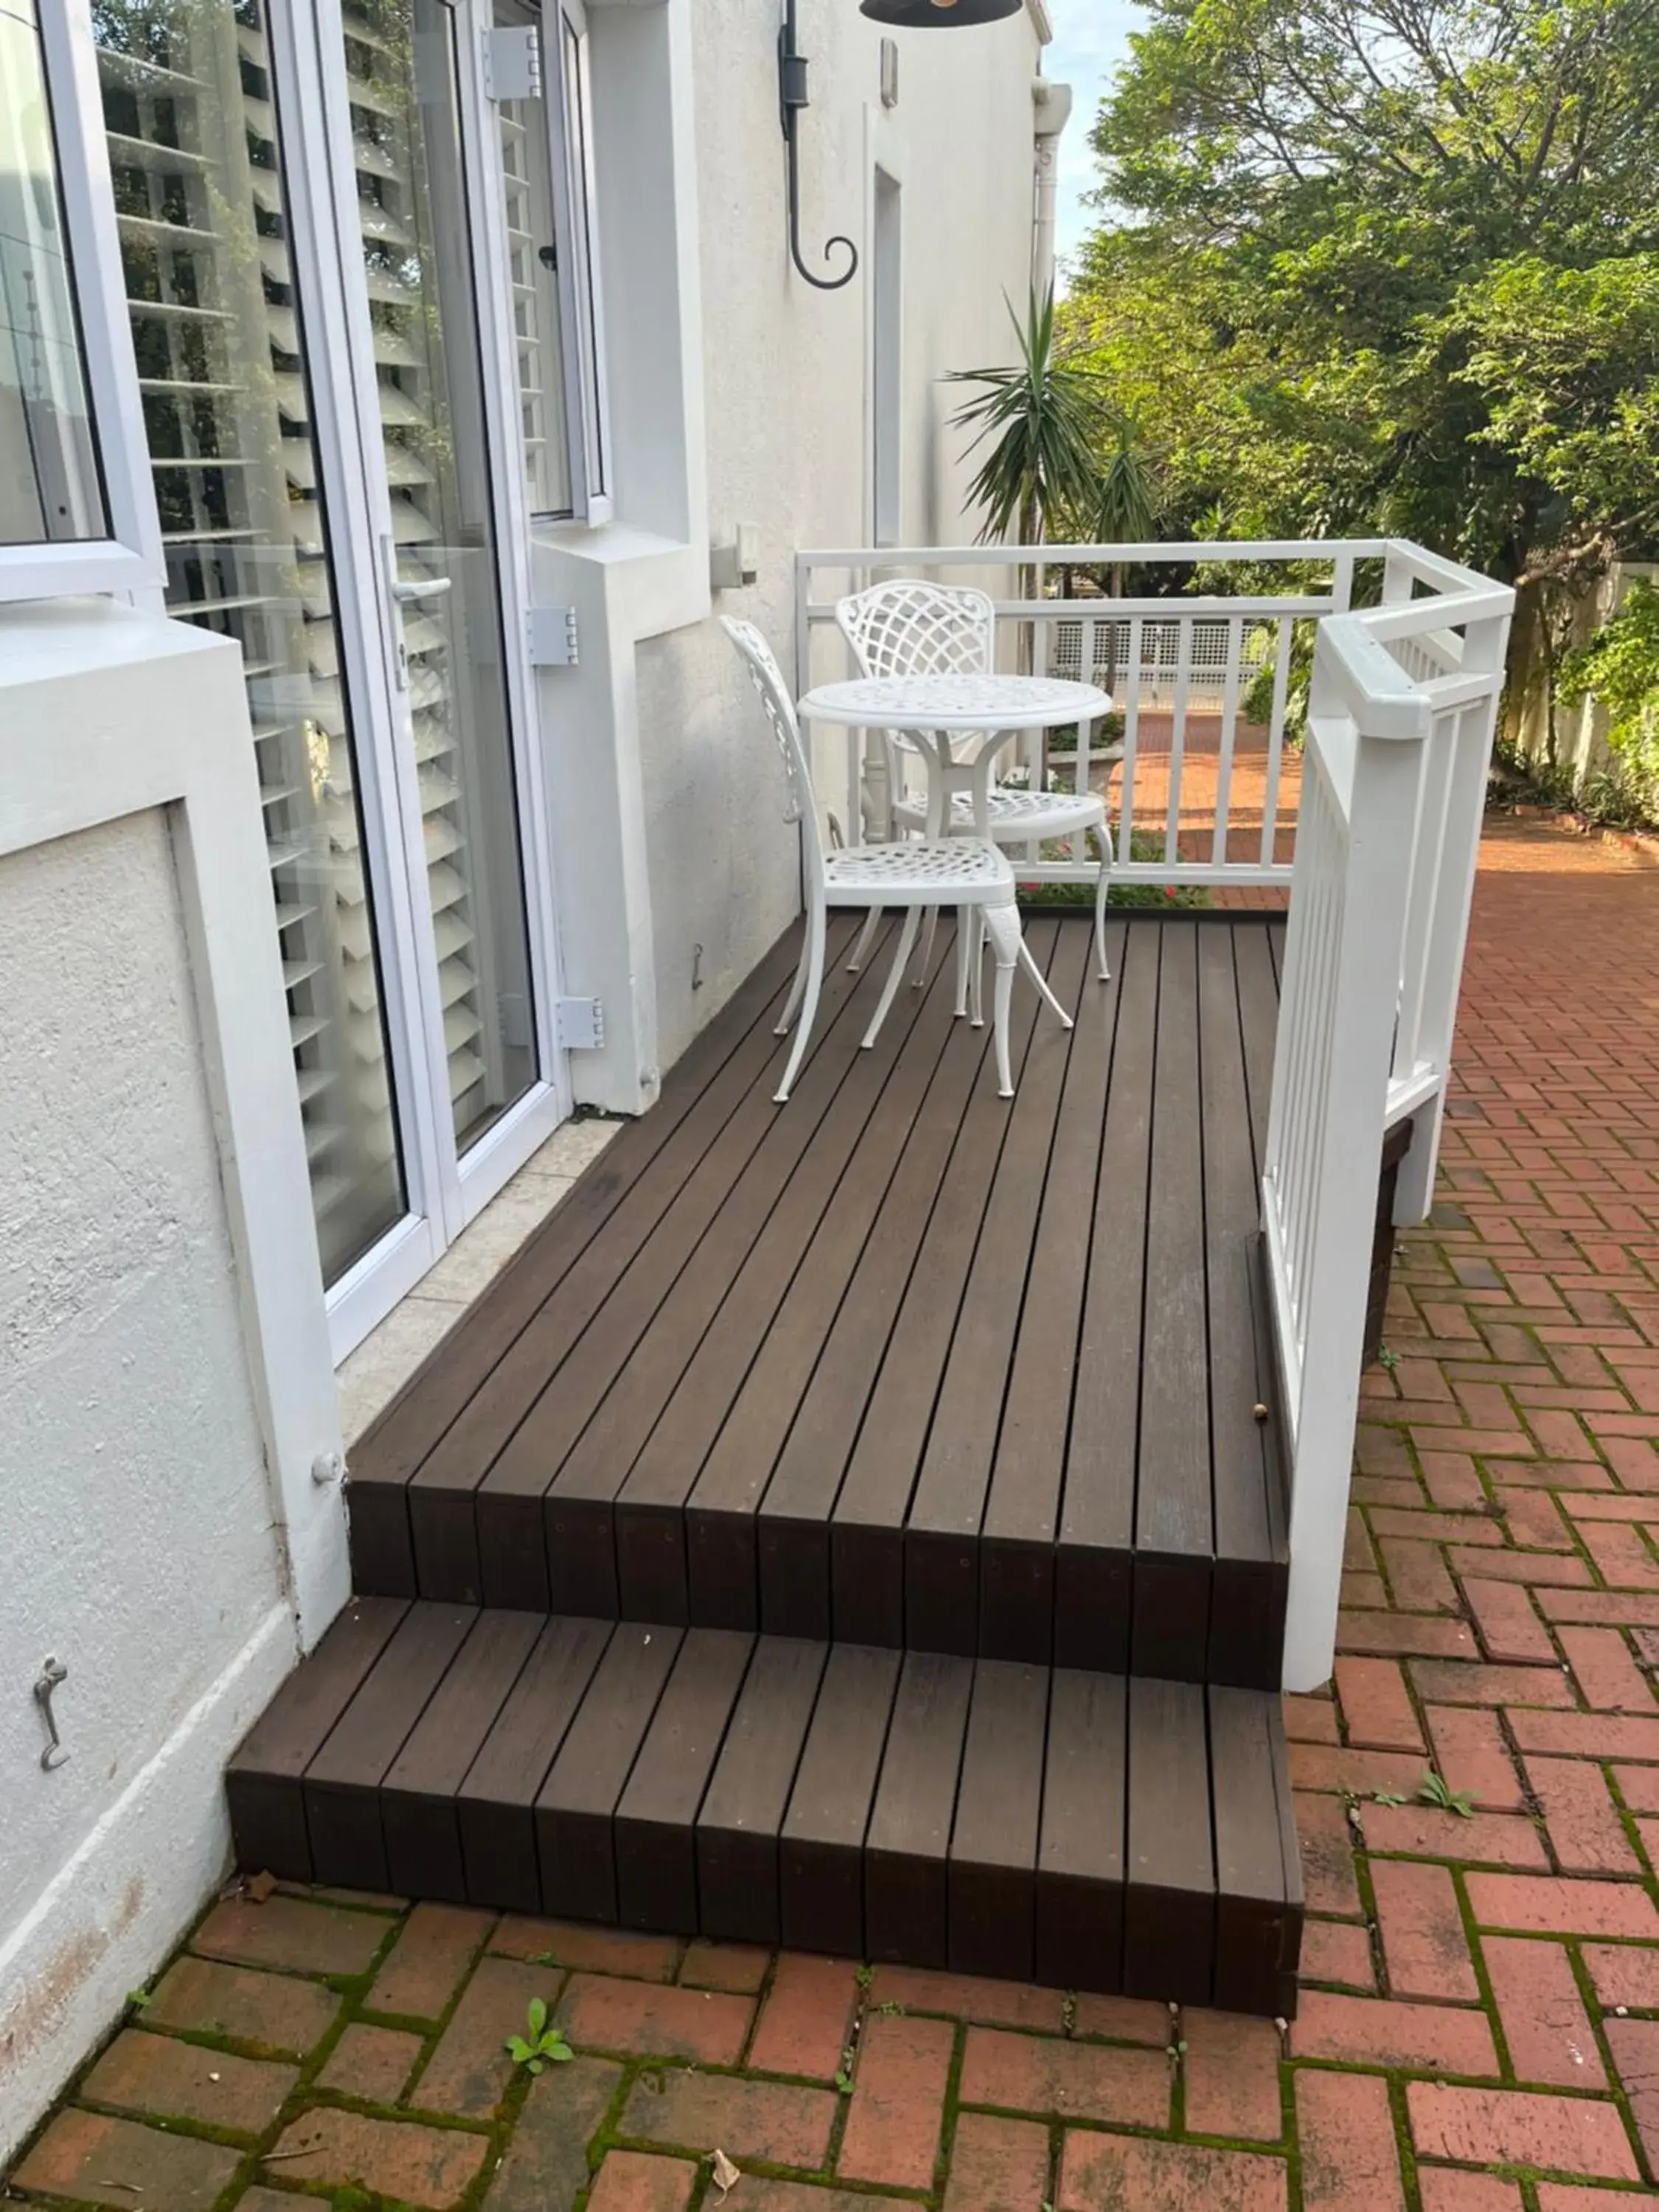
(980,1815)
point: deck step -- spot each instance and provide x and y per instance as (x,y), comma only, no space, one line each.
(1185,1615)
(1082,1829)
(906,1363)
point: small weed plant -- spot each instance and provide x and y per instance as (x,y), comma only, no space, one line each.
(543,2045)
(1433,1789)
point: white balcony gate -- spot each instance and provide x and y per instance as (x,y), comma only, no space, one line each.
(1377,850)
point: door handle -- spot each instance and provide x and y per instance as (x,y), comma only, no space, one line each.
(403,593)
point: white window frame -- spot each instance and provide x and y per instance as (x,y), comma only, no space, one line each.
(581,306)
(129,558)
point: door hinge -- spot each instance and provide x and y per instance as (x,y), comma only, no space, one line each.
(578,1024)
(552,633)
(513,63)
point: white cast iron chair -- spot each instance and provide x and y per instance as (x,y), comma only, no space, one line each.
(911,628)
(961,871)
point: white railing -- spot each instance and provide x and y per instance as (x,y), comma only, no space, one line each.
(1370,824)
(1209,791)
(1402,708)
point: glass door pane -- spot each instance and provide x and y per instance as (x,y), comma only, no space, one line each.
(531,220)
(442,564)
(191,108)
(50,486)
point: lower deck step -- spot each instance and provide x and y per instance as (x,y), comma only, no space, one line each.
(1082,1830)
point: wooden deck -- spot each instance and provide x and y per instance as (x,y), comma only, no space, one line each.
(902,1364)
(853,1525)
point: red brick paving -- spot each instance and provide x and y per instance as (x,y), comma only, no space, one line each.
(1479,2029)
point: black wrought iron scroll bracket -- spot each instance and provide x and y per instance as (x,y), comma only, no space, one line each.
(793,97)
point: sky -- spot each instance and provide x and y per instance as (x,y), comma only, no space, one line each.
(1090,37)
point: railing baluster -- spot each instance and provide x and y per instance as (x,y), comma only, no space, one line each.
(1276,737)
(1428,842)
(1083,775)
(1178,735)
(1131,726)
(1224,775)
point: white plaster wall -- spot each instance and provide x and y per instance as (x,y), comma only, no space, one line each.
(786,383)
(136,1522)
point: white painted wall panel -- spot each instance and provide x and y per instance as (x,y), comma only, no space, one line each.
(134,1511)
(164,1374)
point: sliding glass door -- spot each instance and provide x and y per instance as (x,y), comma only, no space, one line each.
(325,399)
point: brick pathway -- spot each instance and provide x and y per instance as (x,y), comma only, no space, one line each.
(1480,2029)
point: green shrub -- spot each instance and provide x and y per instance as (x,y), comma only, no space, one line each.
(1620,666)
(1144,845)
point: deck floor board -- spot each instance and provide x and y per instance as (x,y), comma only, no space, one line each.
(902,1362)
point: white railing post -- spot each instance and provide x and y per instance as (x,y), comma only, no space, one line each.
(1349,1103)
(1485,646)
(1397,579)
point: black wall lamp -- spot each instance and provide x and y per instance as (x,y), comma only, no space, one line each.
(938,15)
(792,96)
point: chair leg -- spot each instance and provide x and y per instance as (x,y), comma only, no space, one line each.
(1100,891)
(894,976)
(925,957)
(867,937)
(965,923)
(791,1004)
(1042,982)
(1008,941)
(976,966)
(813,984)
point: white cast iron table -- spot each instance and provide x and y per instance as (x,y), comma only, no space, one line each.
(934,711)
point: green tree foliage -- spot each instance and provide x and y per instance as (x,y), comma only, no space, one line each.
(1620,666)
(1389,265)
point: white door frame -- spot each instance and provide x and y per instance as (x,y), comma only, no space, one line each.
(505,1147)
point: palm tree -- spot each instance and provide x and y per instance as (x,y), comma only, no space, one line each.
(1125,511)
(1126,494)
(1042,415)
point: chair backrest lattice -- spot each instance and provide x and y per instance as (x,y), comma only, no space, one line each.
(909,628)
(768,680)
(912,627)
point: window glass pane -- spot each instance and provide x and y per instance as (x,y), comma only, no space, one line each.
(532,261)
(189,104)
(51,491)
